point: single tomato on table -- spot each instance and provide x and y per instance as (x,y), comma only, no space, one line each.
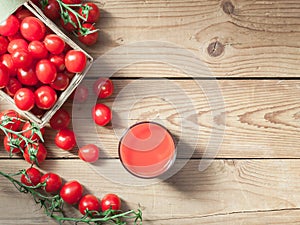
(65,139)
(89,153)
(101,114)
(103,87)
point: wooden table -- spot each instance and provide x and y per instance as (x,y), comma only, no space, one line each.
(251,49)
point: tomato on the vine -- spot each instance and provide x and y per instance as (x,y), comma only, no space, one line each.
(30,131)
(89,153)
(24,99)
(71,192)
(45,97)
(45,71)
(101,114)
(32,29)
(3,44)
(32,177)
(13,117)
(75,61)
(90,12)
(90,203)
(10,26)
(65,139)
(69,22)
(12,143)
(35,154)
(110,201)
(54,44)
(88,34)
(52,182)
(4,76)
(13,86)
(72,1)
(103,87)
(51,10)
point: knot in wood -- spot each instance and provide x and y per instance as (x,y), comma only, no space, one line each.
(215,49)
(228,7)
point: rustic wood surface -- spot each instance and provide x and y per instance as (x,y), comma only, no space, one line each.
(251,49)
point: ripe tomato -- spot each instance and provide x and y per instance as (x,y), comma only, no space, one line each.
(24,99)
(54,44)
(90,12)
(38,50)
(13,144)
(10,26)
(17,44)
(13,86)
(10,119)
(90,203)
(69,22)
(32,29)
(22,14)
(110,201)
(65,139)
(4,76)
(89,153)
(17,35)
(51,10)
(27,76)
(58,61)
(88,34)
(75,61)
(37,111)
(30,131)
(61,119)
(53,182)
(61,82)
(21,58)
(45,71)
(3,44)
(101,114)
(45,97)
(35,154)
(72,1)
(32,177)
(103,87)
(71,192)
(7,60)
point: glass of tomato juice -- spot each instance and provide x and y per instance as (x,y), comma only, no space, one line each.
(147,149)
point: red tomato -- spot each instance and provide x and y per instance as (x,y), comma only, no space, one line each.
(89,153)
(27,76)
(35,154)
(69,22)
(24,99)
(61,82)
(32,29)
(13,144)
(58,61)
(54,44)
(32,177)
(80,94)
(90,11)
(110,201)
(4,76)
(17,35)
(37,111)
(21,58)
(45,71)
(90,203)
(10,26)
(53,182)
(17,44)
(75,61)
(101,114)
(103,87)
(72,1)
(30,131)
(61,119)
(13,86)
(45,97)
(23,13)
(71,192)
(65,139)
(38,50)
(10,119)
(3,44)
(52,10)
(7,60)
(88,34)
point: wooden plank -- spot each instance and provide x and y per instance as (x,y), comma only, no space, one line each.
(234,38)
(229,190)
(261,119)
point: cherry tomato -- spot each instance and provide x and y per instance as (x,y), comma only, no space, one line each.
(37,111)
(4,76)
(35,154)
(61,119)
(80,94)
(69,22)
(90,203)
(101,114)
(103,87)
(32,177)
(53,182)
(72,1)
(24,99)
(58,61)
(23,13)
(37,49)
(27,76)
(10,26)
(17,44)
(7,60)
(13,117)
(3,44)
(30,131)
(21,58)
(110,201)
(45,71)
(71,192)
(75,61)
(88,34)
(61,82)
(89,153)
(45,97)
(90,11)
(54,44)
(13,86)
(65,139)
(32,29)
(12,143)
(17,35)
(51,10)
